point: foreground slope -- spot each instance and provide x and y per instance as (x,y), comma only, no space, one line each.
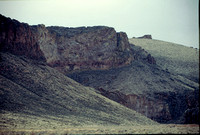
(177,59)
(33,95)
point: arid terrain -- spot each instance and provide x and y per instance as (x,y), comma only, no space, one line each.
(159,129)
(94,80)
(177,59)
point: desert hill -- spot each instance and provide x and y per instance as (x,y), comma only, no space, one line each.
(34,95)
(146,88)
(177,59)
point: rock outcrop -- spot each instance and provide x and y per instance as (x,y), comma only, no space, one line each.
(68,49)
(154,108)
(146,37)
(19,38)
(88,48)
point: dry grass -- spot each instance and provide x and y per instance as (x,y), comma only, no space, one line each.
(35,96)
(178,59)
(158,129)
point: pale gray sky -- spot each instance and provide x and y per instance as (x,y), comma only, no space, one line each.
(169,20)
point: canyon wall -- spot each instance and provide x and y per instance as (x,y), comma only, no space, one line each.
(163,107)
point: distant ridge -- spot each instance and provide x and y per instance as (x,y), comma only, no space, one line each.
(177,59)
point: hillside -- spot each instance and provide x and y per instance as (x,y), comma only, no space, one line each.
(177,59)
(33,95)
(149,88)
(146,88)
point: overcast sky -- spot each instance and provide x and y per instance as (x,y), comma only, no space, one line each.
(169,20)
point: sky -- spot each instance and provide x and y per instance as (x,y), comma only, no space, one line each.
(168,20)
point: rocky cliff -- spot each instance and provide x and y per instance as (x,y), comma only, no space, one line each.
(19,38)
(68,49)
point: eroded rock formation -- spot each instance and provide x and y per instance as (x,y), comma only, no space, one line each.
(68,49)
(19,38)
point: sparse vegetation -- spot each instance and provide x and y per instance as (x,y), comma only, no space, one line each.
(178,59)
(151,129)
(35,96)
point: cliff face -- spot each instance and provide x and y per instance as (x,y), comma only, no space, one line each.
(19,38)
(67,49)
(154,108)
(163,107)
(87,48)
